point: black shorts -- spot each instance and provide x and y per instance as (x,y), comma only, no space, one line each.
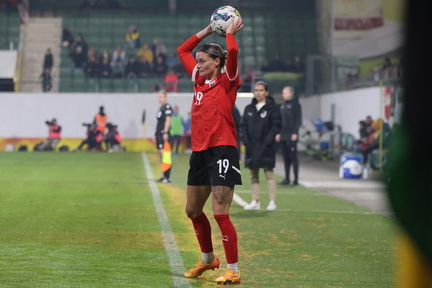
(160,141)
(216,166)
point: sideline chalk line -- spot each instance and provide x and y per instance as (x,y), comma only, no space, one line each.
(171,248)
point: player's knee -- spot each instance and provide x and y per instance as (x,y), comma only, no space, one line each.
(190,212)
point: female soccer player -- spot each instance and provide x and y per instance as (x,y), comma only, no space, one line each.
(214,162)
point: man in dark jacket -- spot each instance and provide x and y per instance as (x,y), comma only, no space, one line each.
(261,122)
(288,138)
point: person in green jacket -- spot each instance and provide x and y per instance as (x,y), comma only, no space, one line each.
(176,129)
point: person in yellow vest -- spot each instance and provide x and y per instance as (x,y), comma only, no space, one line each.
(101,120)
(54,136)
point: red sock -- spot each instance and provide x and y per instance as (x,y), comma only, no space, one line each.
(203,232)
(229,238)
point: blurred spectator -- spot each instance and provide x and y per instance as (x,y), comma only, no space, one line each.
(277,65)
(397,71)
(372,141)
(265,66)
(387,63)
(132,68)
(171,81)
(145,68)
(176,129)
(92,67)
(351,79)
(105,54)
(79,50)
(92,52)
(48,60)
(179,69)
(46,80)
(289,65)
(118,61)
(297,65)
(105,70)
(145,52)
(160,53)
(368,123)
(160,68)
(171,59)
(249,79)
(67,37)
(387,68)
(132,38)
(158,45)
(363,132)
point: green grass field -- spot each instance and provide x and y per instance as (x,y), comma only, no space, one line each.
(94,220)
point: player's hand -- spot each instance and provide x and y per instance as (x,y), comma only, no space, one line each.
(205,32)
(236,25)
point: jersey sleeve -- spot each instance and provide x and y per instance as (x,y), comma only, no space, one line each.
(231,65)
(185,53)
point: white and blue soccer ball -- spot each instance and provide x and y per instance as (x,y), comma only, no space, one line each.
(221,19)
(352,169)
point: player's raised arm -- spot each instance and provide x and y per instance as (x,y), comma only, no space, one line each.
(232,47)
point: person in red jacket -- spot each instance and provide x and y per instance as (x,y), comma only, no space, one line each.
(214,162)
(54,136)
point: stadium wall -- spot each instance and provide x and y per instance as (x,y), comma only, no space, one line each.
(23,115)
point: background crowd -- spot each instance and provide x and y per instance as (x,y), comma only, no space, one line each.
(132,58)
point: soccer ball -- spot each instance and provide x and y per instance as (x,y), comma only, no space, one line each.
(352,169)
(221,19)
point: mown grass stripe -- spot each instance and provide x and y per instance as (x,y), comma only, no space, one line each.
(175,260)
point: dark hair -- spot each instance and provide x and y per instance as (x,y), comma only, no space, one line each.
(262,83)
(214,51)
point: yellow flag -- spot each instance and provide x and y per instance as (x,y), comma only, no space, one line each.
(166,157)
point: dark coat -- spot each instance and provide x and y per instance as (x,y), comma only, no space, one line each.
(257,132)
(291,119)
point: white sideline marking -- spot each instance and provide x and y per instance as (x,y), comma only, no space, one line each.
(239,200)
(175,260)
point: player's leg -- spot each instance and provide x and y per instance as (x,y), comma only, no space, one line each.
(221,201)
(196,197)
(224,173)
(197,194)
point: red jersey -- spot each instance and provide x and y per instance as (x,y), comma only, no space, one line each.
(212,123)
